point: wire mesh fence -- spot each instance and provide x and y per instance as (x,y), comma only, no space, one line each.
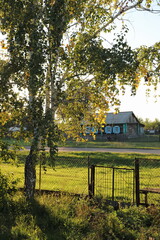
(114,183)
(149,181)
(69,175)
(116,179)
(139,184)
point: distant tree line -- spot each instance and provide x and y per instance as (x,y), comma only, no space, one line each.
(151,125)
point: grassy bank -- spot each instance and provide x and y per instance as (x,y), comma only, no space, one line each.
(68,218)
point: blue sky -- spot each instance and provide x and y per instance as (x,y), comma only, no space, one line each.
(144,29)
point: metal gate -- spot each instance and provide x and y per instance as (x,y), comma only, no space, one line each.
(113,183)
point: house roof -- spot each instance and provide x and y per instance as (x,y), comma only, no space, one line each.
(121,117)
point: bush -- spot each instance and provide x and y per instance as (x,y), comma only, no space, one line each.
(7,189)
(69,218)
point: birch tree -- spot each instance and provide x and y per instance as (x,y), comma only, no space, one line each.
(58,56)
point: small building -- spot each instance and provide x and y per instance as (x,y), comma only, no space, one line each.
(124,124)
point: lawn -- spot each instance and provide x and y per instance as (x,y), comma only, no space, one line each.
(71,172)
(148,142)
(145,142)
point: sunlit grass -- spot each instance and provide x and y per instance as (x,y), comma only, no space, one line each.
(144,142)
(67,217)
(71,173)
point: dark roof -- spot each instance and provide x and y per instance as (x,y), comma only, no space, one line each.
(121,117)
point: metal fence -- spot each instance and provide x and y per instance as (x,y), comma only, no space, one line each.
(69,175)
(113,183)
(134,180)
(140,185)
(147,172)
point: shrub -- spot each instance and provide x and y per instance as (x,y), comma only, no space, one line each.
(7,188)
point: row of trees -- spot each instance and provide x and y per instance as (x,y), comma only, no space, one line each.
(59,72)
(151,125)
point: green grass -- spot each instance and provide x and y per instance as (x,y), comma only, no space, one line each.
(71,173)
(140,145)
(70,218)
(146,142)
(50,217)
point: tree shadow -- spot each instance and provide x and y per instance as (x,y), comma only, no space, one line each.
(50,225)
(8,215)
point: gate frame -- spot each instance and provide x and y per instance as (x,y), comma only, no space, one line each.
(137,184)
(91,179)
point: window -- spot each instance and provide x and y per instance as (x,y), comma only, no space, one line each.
(108,129)
(116,129)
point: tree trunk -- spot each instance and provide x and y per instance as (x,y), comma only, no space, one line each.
(30,175)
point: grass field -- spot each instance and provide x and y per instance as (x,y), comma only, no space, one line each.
(71,173)
(145,142)
(141,145)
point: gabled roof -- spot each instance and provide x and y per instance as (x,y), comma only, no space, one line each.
(121,117)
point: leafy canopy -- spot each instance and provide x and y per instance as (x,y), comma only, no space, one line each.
(60,69)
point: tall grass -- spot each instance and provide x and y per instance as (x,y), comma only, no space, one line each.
(68,218)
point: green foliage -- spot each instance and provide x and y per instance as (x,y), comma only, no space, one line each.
(7,190)
(152,125)
(59,74)
(134,218)
(144,142)
(66,217)
(149,58)
(53,69)
(7,153)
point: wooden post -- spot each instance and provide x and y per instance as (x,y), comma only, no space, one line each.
(137,181)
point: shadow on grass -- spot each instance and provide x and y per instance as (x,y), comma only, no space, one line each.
(23,220)
(50,225)
(83,159)
(80,160)
(8,214)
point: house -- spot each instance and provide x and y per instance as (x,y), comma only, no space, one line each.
(122,125)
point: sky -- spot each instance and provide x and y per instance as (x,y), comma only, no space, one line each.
(144,29)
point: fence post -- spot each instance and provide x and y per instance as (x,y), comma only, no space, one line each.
(113,185)
(40,174)
(91,185)
(137,181)
(89,176)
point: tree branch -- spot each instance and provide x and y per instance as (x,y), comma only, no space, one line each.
(121,11)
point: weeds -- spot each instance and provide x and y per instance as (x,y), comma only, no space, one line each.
(49,217)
